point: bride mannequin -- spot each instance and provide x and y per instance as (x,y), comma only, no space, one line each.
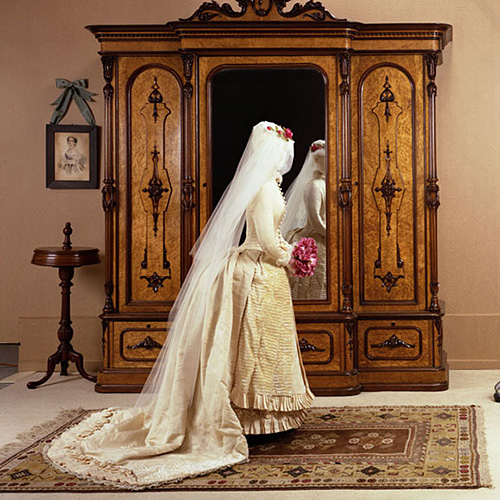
(231,365)
(306,218)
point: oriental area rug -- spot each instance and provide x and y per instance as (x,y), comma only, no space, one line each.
(342,447)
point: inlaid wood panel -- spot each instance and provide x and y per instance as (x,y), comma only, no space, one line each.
(150,217)
(388,210)
(320,346)
(137,344)
(396,343)
(380,327)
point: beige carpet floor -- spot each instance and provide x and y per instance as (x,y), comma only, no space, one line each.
(21,409)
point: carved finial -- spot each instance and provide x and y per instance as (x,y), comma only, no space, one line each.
(68,231)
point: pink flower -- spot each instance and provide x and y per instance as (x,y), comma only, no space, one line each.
(304,257)
(288,133)
(315,147)
(269,128)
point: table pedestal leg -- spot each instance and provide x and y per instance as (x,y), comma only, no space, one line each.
(65,352)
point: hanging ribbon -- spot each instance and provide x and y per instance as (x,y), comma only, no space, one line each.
(76,90)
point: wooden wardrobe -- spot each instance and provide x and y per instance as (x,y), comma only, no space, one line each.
(380,326)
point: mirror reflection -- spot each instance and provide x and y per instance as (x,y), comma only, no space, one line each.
(306,218)
(294,98)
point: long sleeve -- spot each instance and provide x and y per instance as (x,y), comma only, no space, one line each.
(263,215)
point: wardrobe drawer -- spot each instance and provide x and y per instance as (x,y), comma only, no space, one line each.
(137,345)
(394,343)
(320,346)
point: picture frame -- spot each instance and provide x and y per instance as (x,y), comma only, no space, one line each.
(71,156)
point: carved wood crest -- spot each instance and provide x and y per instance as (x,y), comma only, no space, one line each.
(256,10)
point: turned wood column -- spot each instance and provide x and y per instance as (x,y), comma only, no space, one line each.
(109,189)
(432,183)
(345,188)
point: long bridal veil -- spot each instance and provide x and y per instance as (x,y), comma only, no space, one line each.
(265,155)
(183,423)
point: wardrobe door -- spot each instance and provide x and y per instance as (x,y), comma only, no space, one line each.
(388,172)
(149,148)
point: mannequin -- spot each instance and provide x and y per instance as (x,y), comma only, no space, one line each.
(228,366)
(306,218)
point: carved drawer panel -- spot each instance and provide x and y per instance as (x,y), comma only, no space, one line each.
(320,346)
(394,343)
(136,344)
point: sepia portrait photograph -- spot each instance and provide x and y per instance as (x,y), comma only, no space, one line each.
(71,156)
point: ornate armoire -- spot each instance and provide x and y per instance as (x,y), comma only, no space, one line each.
(380,325)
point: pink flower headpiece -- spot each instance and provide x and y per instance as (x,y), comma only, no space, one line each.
(283,132)
(316,145)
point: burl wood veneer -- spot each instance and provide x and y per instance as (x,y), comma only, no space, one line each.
(380,327)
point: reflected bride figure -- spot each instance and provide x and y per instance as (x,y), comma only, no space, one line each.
(306,218)
(231,364)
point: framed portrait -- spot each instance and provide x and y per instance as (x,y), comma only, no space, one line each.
(71,161)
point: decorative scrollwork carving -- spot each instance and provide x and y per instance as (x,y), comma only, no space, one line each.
(155,189)
(305,346)
(389,281)
(155,98)
(311,9)
(188,60)
(108,63)
(147,343)
(345,193)
(108,195)
(345,66)
(350,332)
(387,96)
(155,281)
(394,342)
(209,11)
(388,188)
(187,193)
(432,62)
(438,325)
(433,194)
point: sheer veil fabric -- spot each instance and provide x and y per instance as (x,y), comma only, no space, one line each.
(183,423)
(306,218)
(297,210)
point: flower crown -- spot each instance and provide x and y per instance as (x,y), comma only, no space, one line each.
(283,132)
(316,145)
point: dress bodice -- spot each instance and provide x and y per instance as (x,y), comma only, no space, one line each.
(263,217)
(314,200)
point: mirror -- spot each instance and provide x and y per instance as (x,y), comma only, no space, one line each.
(292,97)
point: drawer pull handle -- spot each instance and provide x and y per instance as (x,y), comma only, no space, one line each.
(306,346)
(393,342)
(147,343)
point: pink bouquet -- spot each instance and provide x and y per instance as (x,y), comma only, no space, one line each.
(304,257)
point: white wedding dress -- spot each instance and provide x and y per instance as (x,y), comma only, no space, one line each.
(247,377)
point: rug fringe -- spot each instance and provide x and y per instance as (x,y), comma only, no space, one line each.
(24,439)
(482,450)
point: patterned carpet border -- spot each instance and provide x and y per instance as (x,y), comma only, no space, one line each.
(362,447)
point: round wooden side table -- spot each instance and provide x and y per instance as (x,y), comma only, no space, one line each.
(66,259)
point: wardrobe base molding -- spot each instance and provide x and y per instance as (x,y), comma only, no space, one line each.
(122,381)
(424,379)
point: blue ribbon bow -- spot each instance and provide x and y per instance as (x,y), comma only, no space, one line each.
(76,90)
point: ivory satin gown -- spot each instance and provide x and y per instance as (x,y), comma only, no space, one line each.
(250,378)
